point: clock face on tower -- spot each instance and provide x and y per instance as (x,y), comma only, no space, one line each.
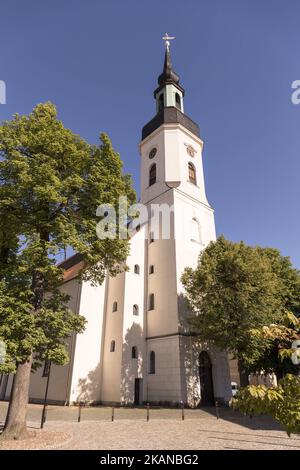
(152,152)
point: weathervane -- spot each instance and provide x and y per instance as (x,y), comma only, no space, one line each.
(167,40)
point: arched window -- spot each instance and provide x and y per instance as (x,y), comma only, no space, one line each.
(151,302)
(178,101)
(152,174)
(192,173)
(161,102)
(196,233)
(112,346)
(135,309)
(136,269)
(134,352)
(151,269)
(152,363)
(115,307)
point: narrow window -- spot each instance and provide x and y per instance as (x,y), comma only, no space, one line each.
(135,309)
(46,370)
(161,102)
(178,101)
(192,173)
(151,238)
(151,302)
(136,269)
(152,363)
(113,346)
(151,269)
(134,352)
(152,174)
(115,307)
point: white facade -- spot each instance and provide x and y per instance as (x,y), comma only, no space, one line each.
(119,316)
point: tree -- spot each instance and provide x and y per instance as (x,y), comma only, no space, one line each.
(51,183)
(235,289)
(282,402)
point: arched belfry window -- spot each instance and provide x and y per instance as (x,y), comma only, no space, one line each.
(192,173)
(112,346)
(152,174)
(152,362)
(115,307)
(178,101)
(135,309)
(136,269)
(161,102)
(134,352)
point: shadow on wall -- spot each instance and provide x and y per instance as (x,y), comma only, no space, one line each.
(132,367)
(89,387)
(205,376)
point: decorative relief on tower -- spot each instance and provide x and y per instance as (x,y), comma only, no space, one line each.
(190,150)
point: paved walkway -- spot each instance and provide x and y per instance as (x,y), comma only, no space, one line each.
(165,430)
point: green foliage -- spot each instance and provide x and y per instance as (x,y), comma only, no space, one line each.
(45,333)
(236,290)
(281,402)
(51,183)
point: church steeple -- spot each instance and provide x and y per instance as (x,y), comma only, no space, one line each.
(169,93)
(169,99)
(168,75)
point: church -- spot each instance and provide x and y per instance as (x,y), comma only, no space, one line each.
(136,347)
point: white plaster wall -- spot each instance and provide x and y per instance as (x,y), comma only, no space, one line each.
(165,384)
(86,378)
(163,319)
(133,325)
(188,249)
(111,364)
(156,139)
(60,376)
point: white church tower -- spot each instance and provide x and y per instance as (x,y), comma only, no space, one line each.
(136,347)
(172,175)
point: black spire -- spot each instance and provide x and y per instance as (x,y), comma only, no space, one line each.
(168,75)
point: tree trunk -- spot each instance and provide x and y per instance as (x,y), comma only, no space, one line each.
(244,380)
(15,424)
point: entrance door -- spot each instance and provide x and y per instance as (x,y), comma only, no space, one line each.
(206,382)
(137,391)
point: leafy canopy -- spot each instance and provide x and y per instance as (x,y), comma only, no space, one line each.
(51,183)
(236,289)
(281,402)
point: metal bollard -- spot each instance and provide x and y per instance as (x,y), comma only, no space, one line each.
(113,414)
(182,410)
(148,411)
(44,415)
(79,411)
(217,409)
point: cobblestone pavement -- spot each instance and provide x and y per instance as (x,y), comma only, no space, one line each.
(165,429)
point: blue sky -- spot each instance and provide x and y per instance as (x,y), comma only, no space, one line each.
(98,61)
